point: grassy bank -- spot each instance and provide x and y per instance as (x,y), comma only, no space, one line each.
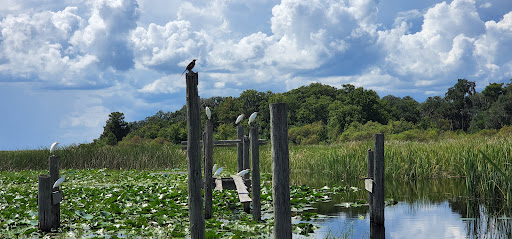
(132,156)
(312,164)
(451,157)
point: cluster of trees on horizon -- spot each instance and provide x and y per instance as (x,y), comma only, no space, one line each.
(320,113)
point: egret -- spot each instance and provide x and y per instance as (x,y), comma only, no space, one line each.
(208,113)
(59,181)
(243,172)
(53,147)
(214,168)
(218,171)
(252,117)
(240,118)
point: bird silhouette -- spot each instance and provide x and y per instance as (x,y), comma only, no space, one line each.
(190,66)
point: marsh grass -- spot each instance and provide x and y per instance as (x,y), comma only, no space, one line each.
(128,156)
(314,165)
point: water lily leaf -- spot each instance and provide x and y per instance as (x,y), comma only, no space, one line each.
(343,204)
(32,213)
(83,214)
(105,214)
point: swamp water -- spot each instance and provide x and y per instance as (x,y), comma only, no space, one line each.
(421,209)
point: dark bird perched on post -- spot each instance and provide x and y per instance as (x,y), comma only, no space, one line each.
(190,66)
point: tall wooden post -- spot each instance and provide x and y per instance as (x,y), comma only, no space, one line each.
(246,160)
(246,165)
(280,170)
(370,172)
(377,231)
(378,191)
(195,200)
(54,175)
(240,147)
(255,173)
(44,201)
(208,164)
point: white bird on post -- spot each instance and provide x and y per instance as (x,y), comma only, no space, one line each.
(239,119)
(218,172)
(214,168)
(59,181)
(252,117)
(208,113)
(54,147)
(243,172)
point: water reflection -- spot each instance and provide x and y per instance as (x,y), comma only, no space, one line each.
(426,209)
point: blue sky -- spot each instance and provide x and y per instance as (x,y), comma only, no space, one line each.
(66,64)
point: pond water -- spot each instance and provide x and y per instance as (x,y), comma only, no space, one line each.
(424,209)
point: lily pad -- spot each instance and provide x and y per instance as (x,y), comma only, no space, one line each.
(83,214)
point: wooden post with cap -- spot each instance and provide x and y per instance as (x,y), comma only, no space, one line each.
(195,199)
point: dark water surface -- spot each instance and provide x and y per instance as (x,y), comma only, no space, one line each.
(424,209)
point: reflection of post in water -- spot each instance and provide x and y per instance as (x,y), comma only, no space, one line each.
(377,231)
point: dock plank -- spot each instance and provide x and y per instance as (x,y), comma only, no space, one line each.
(241,188)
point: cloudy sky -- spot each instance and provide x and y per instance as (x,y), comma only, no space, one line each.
(66,64)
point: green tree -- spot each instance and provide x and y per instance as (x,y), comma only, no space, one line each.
(460,103)
(498,115)
(115,125)
(226,131)
(228,111)
(296,101)
(403,108)
(340,117)
(492,92)
(372,108)
(314,109)
(308,134)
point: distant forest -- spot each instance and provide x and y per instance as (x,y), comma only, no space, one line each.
(320,113)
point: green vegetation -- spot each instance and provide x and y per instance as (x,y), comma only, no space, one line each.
(143,155)
(131,203)
(465,134)
(320,114)
(443,156)
(117,203)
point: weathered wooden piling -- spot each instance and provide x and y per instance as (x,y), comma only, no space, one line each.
(370,172)
(246,160)
(54,175)
(377,231)
(280,170)
(195,199)
(255,173)
(378,179)
(246,165)
(44,201)
(208,164)
(240,147)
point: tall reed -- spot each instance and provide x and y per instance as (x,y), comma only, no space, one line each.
(132,156)
(405,160)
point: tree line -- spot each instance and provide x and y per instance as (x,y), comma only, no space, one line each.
(320,113)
